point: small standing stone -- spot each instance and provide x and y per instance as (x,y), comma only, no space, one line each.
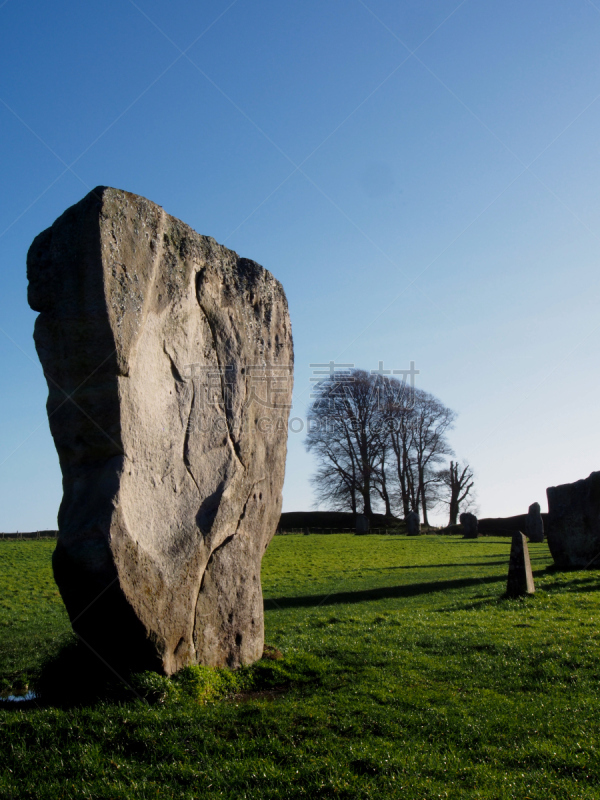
(362,524)
(470,525)
(520,577)
(535,523)
(413,524)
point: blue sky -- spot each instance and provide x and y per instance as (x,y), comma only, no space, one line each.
(422,177)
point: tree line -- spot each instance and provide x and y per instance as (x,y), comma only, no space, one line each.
(381,444)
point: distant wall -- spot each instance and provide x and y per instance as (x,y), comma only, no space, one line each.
(329,520)
(506,526)
(496,526)
(337,521)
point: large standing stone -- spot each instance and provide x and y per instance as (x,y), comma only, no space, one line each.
(470,525)
(573,530)
(168,360)
(520,577)
(535,523)
(413,524)
(362,524)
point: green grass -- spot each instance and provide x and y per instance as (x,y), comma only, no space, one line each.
(406,675)
(33,620)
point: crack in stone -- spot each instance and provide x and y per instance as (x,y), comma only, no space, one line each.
(223,543)
(186,439)
(243,514)
(235,445)
(174,368)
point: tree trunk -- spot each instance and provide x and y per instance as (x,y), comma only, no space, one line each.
(388,507)
(384,492)
(403,492)
(421,494)
(367,510)
(366,475)
(413,490)
(406,490)
(424,505)
(453,512)
(454,491)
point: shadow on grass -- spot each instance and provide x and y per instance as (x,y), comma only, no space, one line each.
(379,593)
(483,540)
(75,676)
(588,584)
(500,562)
(484,600)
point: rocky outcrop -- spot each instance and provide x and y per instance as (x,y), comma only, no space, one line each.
(573,530)
(168,360)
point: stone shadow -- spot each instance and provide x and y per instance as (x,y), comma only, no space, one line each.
(500,562)
(379,593)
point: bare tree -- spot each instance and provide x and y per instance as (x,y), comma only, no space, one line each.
(380,476)
(332,490)
(335,481)
(458,481)
(416,424)
(430,420)
(396,412)
(378,441)
(346,434)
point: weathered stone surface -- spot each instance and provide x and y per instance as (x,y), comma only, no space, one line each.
(470,525)
(362,524)
(573,530)
(168,360)
(413,524)
(535,523)
(520,578)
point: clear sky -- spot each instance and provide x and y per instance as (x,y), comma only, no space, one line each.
(423,178)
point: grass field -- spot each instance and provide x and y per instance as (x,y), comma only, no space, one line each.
(406,675)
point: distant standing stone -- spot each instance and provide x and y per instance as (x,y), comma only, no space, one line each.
(520,578)
(535,523)
(413,524)
(362,524)
(470,525)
